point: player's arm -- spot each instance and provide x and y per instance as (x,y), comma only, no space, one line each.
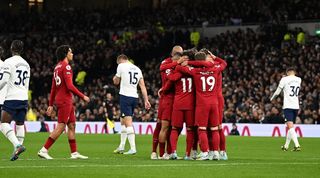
(207,64)
(174,76)
(4,76)
(168,85)
(116,79)
(67,74)
(218,60)
(184,69)
(278,91)
(52,96)
(165,66)
(143,88)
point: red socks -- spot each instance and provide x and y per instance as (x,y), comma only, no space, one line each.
(190,139)
(195,139)
(73,146)
(155,138)
(216,140)
(222,140)
(162,147)
(49,143)
(174,139)
(210,140)
(203,138)
(169,149)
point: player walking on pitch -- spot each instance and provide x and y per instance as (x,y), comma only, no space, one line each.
(15,77)
(62,90)
(290,85)
(128,76)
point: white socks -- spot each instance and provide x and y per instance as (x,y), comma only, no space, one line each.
(288,140)
(20,133)
(9,133)
(294,137)
(123,137)
(131,138)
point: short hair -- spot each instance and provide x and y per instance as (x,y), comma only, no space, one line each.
(122,56)
(200,56)
(1,52)
(16,47)
(62,51)
(291,68)
(205,50)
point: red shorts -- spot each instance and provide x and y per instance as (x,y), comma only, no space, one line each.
(165,109)
(180,116)
(207,116)
(221,107)
(66,113)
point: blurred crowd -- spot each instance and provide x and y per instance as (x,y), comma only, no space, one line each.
(203,12)
(256,59)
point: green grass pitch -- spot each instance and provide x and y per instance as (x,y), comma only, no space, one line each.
(248,157)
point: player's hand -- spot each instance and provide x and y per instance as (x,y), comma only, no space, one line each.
(185,63)
(212,55)
(160,92)
(147,105)
(86,99)
(49,110)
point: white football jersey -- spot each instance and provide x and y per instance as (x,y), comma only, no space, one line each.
(18,71)
(291,87)
(130,76)
(3,91)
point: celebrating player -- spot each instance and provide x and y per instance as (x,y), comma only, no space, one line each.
(207,111)
(183,109)
(129,76)
(165,105)
(290,85)
(15,76)
(62,90)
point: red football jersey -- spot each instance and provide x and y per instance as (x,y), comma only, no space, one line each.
(62,86)
(218,64)
(205,83)
(184,90)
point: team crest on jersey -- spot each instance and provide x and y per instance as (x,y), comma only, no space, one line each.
(68,67)
(168,71)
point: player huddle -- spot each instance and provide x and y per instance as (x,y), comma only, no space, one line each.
(191,93)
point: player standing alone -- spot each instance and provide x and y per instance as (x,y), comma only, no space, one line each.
(62,90)
(129,76)
(15,76)
(290,85)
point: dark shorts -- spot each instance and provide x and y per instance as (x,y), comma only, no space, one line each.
(127,105)
(17,109)
(290,115)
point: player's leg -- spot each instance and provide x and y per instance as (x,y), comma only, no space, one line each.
(20,128)
(155,140)
(290,116)
(223,154)
(8,132)
(189,118)
(72,136)
(177,124)
(156,132)
(201,120)
(195,143)
(163,136)
(128,123)
(123,132)
(63,115)
(214,121)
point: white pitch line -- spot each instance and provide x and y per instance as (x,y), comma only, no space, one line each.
(154,165)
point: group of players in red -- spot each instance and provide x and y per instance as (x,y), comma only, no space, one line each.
(191,93)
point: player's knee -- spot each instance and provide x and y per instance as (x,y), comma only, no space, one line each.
(19,122)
